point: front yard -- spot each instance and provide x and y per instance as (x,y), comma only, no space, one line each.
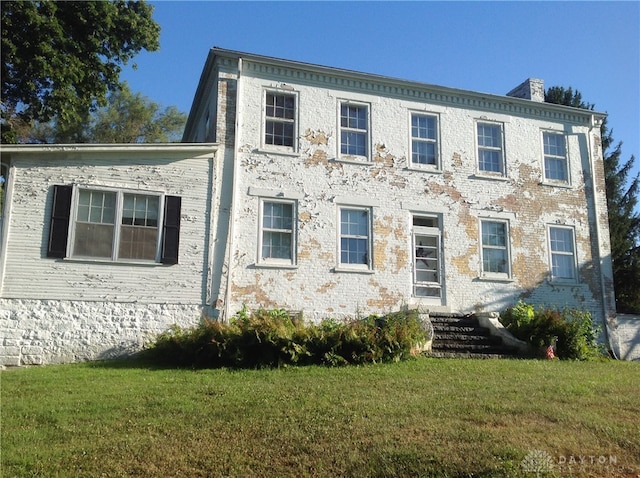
(423,417)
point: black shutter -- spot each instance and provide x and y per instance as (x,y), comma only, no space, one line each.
(171,230)
(59,228)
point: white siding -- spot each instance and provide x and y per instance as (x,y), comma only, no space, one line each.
(29,274)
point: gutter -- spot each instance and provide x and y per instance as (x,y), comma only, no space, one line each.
(596,213)
(234,193)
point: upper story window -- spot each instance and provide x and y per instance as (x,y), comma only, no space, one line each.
(280,119)
(495,248)
(424,140)
(355,237)
(114,225)
(563,256)
(277,238)
(555,157)
(490,148)
(354,129)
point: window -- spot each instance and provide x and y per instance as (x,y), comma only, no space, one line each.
(114,225)
(426,257)
(490,157)
(355,244)
(280,122)
(354,130)
(555,157)
(495,250)
(424,139)
(563,258)
(277,236)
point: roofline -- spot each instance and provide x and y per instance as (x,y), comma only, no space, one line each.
(251,57)
(201,148)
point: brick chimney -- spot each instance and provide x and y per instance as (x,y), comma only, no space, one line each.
(531,89)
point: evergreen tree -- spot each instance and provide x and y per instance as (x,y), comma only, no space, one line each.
(622,201)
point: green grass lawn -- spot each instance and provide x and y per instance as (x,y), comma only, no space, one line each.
(424,417)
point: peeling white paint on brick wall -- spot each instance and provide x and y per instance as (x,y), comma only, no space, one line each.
(460,194)
(38,332)
(625,336)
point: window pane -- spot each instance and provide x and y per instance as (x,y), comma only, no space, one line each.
(353,251)
(138,243)
(561,240)
(423,127)
(493,234)
(555,169)
(354,222)
(353,143)
(276,245)
(280,106)
(494,260)
(562,266)
(490,161)
(554,144)
(279,134)
(423,153)
(140,210)
(93,240)
(353,116)
(96,207)
(489,135)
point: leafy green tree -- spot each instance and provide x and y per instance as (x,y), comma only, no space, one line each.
(60,59)
(127,118)
(622,202)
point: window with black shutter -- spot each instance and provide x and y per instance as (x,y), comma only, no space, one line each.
(116,225)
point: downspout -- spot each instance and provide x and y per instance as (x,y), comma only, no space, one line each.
(596,213)
(234,193)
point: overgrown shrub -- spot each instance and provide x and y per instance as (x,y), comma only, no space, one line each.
(272,338)
(571,331)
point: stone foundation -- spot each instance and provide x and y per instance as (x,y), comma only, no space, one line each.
(34,332)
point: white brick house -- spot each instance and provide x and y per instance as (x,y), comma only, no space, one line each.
(315,189)
(360,193)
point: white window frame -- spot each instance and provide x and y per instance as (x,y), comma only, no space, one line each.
(367,132)
(572,254)
(564,159)
(506,248)
(275,261)
(349,267)
(501,149)
(293,121)
(432,232)
(436,166)
(117,223)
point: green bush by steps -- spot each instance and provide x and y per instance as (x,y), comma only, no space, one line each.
(272,338)
(570,331)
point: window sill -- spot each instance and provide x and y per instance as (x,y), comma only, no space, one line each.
(353,270)
(557,184)
(275,265)
(280,152)
(495,278)
(425,169)
(363,160)
(564,283)
(490,177)
(88,260)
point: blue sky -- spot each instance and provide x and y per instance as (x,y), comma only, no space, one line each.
(482,46)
